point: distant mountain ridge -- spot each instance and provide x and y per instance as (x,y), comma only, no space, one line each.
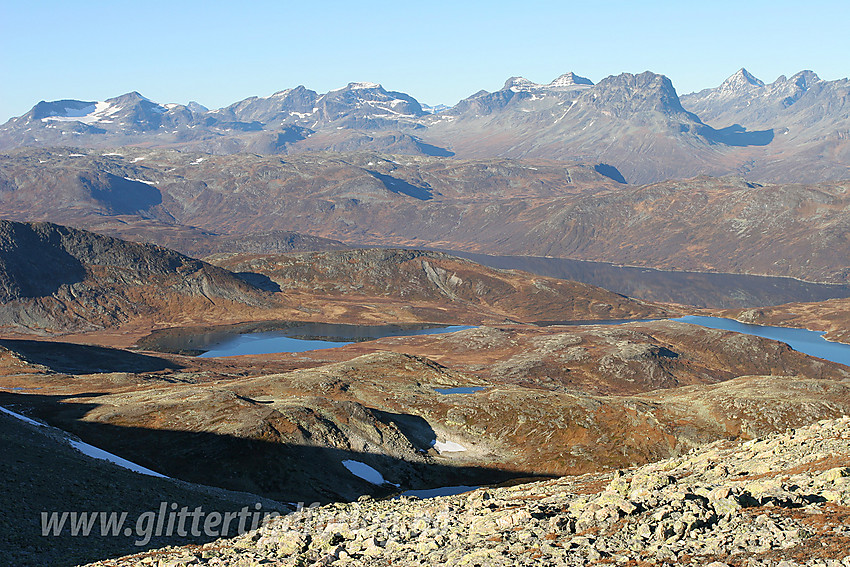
(252,203)
(792,130)
(808,116)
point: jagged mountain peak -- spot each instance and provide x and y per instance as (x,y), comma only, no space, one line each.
(804,79)
(647,79)
(197,107)
(741,79)
(133,97)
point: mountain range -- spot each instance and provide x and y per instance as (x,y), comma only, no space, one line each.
(794,129)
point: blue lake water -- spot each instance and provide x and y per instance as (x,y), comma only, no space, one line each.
(689,288)
(461,390)
(283,341)
(435,492)
(801,340)
(300,337)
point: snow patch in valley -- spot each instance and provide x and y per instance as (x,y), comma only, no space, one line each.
(447,447)
(365,472)
(90,450)
(96,453)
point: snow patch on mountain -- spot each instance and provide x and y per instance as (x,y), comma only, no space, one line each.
(98,112)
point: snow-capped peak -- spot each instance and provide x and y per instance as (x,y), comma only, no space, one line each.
(743,79)
(569,80)
(520,84)
(364,85)
(804,79)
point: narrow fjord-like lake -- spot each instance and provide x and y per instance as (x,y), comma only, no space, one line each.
(700,289)
(284,341)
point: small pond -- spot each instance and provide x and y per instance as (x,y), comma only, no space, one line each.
(460,390)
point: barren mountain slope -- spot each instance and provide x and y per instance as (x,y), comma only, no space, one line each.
(54,278)
(259,425)
(42,472)
(442,281)
(494,206)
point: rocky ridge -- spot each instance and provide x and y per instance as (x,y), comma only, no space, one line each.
(781,500)
(496,206)
(804,116)
(55,278)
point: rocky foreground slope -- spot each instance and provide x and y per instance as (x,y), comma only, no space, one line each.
(778,500)
(557,401)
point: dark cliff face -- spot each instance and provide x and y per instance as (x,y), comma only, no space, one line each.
(54,277)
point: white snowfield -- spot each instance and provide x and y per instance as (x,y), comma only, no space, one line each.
(139,181)
(447,446)
(21,417)
(90,450)
(364,471)
(98,112)
(96,453)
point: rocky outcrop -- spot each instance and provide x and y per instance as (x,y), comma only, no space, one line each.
(782,499)
(441,281)
(55,278)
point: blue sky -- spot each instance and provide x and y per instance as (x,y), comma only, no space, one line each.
(439,52)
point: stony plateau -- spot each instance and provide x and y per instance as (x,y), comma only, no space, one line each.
(780,500)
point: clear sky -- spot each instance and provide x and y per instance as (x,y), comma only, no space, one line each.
(439,52)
